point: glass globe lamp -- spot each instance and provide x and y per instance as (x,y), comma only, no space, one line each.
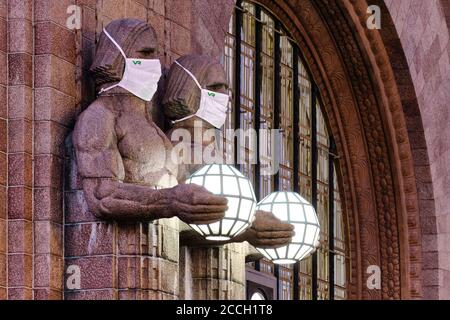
(227,181)
(292,208)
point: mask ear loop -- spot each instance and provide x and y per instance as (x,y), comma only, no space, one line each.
(121,51)
(198,85)
(191,75)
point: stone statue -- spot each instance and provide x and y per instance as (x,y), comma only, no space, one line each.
(181,99)
(123,157)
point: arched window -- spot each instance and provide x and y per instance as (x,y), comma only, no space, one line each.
(272,89)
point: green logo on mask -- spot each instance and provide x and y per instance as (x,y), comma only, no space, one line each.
(137,62)
(212,94)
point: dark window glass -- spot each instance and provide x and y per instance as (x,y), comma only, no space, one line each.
(262,47)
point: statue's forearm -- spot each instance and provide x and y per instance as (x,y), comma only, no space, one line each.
(120,201)
(110,200)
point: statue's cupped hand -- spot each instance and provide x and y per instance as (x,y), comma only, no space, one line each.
(267,231)
(194,204)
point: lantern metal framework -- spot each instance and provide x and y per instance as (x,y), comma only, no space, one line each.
(292,208)
(227,181)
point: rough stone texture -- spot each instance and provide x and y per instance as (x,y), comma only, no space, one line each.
(54,91)
(3,151)
(423,29)
(213,273)
(20,151)
(210,25)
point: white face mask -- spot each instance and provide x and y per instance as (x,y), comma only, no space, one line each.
(141,76)
(213,105)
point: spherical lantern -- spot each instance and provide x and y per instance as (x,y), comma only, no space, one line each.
(227,181)
(292,208)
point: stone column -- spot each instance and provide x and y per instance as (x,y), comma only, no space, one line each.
(20,149)
(55,98)
(212,273)
(218,273)
(3,149)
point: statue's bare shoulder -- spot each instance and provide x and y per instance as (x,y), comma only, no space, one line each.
(95,142)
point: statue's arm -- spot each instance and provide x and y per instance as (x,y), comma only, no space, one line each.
(266,231)
(101,169)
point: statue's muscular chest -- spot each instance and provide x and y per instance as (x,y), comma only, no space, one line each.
(140,140)
(145,149)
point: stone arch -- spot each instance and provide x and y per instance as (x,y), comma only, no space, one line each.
(424,35)
(371,107)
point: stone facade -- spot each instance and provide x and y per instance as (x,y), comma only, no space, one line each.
(395,180)
(423,29)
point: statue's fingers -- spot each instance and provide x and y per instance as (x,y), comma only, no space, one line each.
(273,243)
(209,208)
(275,234)
(275,225)
(206,218)
(203,208)
(283,226)
(209,199)
(265,214)
(201,218)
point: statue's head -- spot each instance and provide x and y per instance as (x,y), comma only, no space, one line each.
(137,39)
(182,95)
